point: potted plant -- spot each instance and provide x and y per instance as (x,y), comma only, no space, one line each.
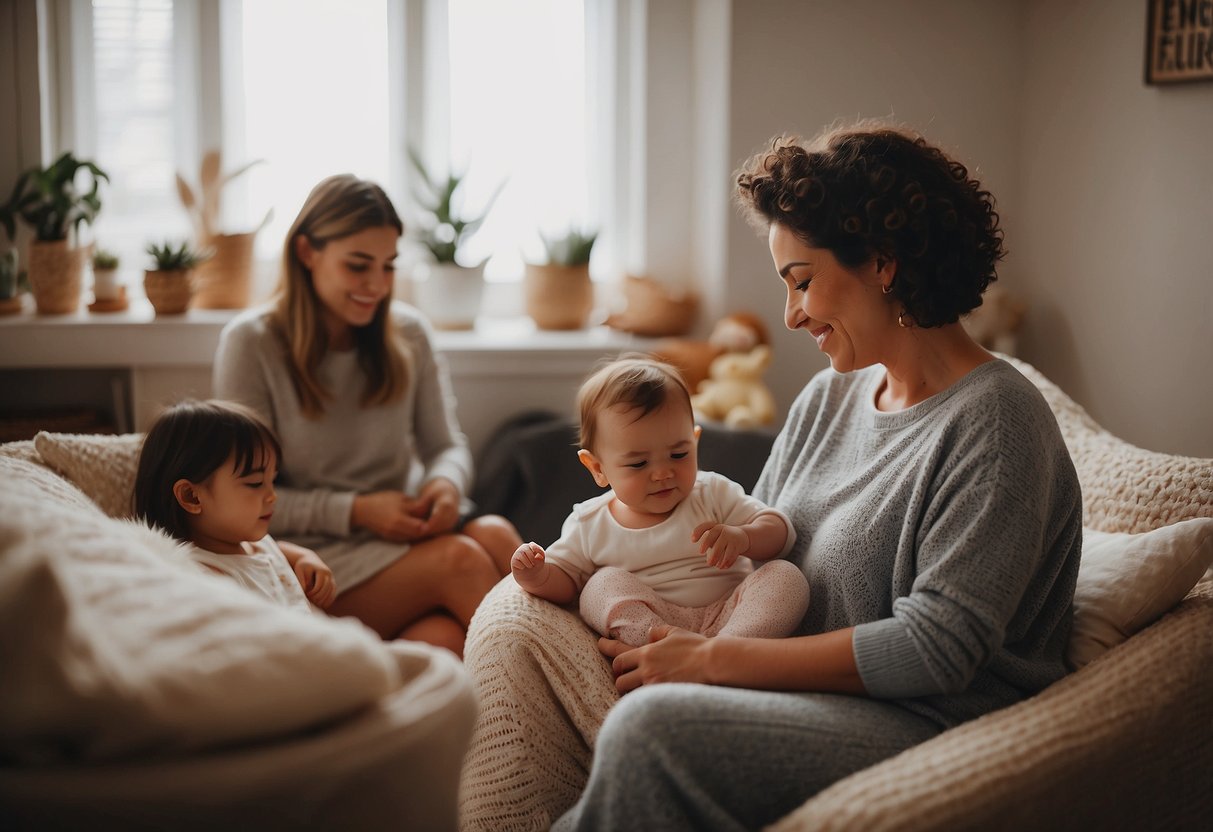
(10,283)
(170,283)
(51,202)
(448,291)
(223,280)
(559,294)
(109,295)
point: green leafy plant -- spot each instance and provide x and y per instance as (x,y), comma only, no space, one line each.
(573,249)
(50,201)
(170,258)
(444,231)
(103,259)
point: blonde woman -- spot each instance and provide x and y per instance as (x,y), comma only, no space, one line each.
(349,380)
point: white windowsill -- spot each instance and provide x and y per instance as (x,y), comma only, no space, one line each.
(137,338)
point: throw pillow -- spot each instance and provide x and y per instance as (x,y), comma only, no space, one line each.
(114,643)
(1127,581)
(103,467)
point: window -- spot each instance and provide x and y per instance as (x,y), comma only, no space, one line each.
(317,98)
(518,122)
(312,104)
(136,136)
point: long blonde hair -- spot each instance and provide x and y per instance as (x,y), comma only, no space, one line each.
(338,207)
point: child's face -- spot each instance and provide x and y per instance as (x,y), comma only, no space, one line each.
(234,508)
(650,462)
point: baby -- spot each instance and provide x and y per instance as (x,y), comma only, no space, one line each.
(668,543)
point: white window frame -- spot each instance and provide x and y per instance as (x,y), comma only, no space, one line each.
(658,79)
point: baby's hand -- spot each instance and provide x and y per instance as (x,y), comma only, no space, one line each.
(527,556)
(316,579)
(721,544)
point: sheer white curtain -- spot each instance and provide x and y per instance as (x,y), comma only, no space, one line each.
(518,122)
(307,86)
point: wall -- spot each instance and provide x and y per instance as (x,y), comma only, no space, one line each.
(951,68)
(1105,185)
(1117,201)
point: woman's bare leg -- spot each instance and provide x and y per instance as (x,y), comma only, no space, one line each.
(497,536)
(438,629)
(451,572)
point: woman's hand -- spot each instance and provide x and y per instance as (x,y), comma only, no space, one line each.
(316,579)
(391,515)
(438,502)
(672,655)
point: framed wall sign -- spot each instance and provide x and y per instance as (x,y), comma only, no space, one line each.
(1179,41)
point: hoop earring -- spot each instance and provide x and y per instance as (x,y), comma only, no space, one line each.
(901,320)
(887,290)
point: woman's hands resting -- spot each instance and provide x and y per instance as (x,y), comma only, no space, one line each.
(672,655)
(398,517)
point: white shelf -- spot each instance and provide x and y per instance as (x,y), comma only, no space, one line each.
(502,367)
(137,338)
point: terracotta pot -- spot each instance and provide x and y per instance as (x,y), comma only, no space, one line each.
(558,297)
(56,276)
(449,294)
(224,281)
(169,291)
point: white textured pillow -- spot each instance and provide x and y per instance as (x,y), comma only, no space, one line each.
(1127,581)
(113,643)
(103,467)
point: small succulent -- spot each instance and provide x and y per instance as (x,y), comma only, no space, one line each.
(573,249)
(443,231)
(180,257)
(103,259)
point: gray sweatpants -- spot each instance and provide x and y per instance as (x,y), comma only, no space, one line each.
(697,757)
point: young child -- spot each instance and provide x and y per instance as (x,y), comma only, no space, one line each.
(668,543)
(206,476)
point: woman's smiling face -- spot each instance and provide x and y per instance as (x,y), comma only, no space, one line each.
(843,309)
(352,277)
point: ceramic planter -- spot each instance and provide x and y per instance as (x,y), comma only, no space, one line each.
(169,291)
(558,297)
(10,299)
(449,294)
(105,284)
(55,276)
(224,280)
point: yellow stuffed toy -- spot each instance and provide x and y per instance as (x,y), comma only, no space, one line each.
(734,391)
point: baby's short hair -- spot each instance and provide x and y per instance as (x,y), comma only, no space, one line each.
(635,380)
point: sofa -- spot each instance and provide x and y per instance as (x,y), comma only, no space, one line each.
(139,691)
(1123,742)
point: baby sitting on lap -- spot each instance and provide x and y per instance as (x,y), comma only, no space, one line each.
(668,544)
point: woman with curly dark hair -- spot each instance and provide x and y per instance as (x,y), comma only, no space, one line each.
(937,511)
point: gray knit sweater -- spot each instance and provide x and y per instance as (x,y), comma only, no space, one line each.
(349,449)
(947,533)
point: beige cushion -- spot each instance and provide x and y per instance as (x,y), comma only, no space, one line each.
(1127,581)
(103,467)
(1125,488)
(112,642)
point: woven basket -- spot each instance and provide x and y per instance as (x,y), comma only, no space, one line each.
(169,291)
(224,281)
(55,276)
(558,297)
